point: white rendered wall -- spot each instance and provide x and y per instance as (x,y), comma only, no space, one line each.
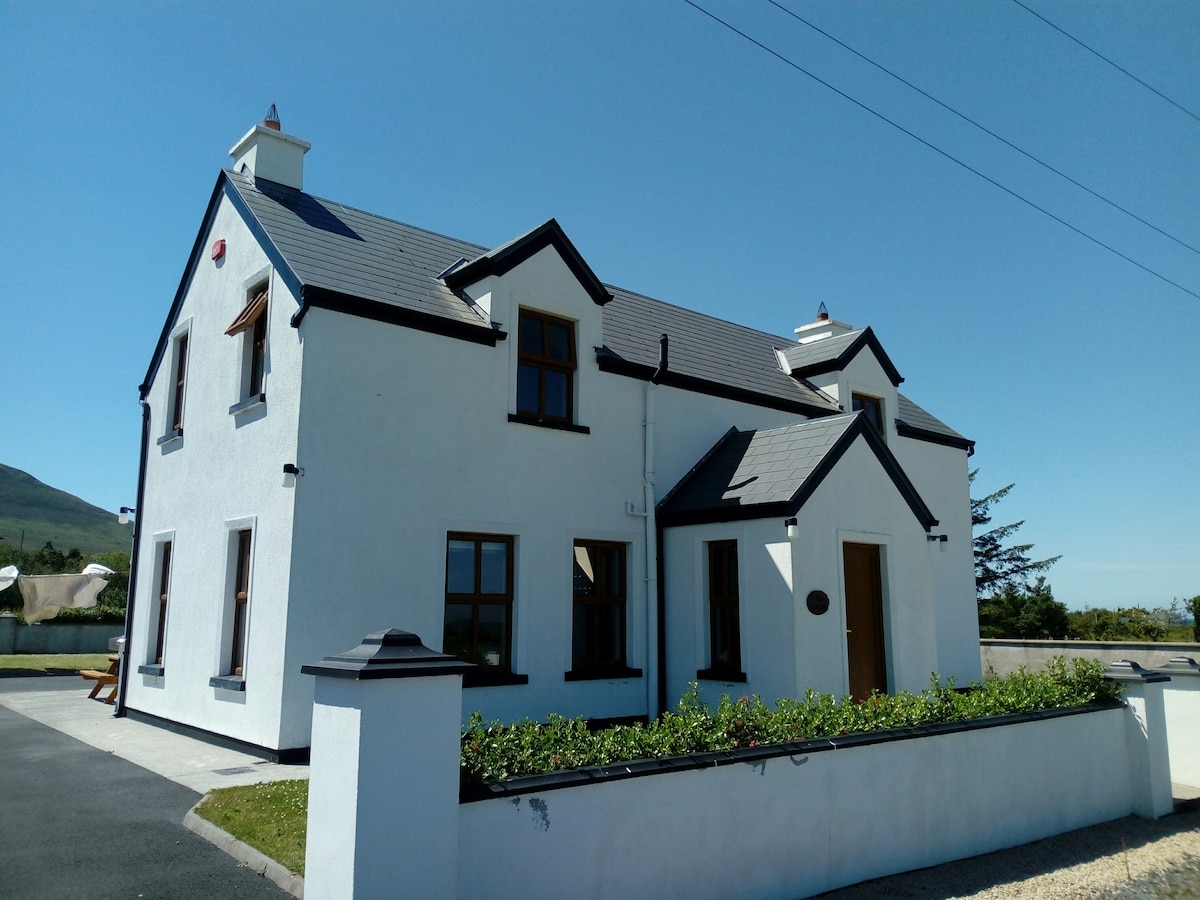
(224,473)
(1181,702)
(794,827)
(765,606)
(939,474)
(408,438)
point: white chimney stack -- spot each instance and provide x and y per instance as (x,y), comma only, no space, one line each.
(824,327)
(266,152)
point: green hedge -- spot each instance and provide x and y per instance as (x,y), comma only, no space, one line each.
(491,752)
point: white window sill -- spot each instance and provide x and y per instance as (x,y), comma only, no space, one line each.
(253,402)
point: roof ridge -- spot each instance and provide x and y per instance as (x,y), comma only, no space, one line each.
(823,420)
(695,312)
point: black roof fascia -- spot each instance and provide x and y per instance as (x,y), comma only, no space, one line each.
(776,508)
(335,301)
(498,262)
(866,339)
(933,437)
(615,365)
(282,269)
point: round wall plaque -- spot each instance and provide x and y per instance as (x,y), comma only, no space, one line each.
(818,602)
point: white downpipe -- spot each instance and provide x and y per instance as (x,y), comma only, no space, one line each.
(651,579)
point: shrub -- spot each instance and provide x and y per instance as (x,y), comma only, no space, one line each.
(493,751)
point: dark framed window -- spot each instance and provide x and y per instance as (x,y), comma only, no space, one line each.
(181,348)
(258,355)
(545,367)
(241,605)
(479,599)
(598,616)
(252,321)
(872,408)
(724,613)
(164,585)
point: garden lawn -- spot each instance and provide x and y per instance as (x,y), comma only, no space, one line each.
(272,818)
(52,663)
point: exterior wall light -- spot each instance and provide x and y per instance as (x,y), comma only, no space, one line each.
(793,528)
(123,515)
(290,471)
(941,539)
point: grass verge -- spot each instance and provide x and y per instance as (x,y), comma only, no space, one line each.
(272,818)
(52,663)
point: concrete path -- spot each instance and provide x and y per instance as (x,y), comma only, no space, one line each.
(61,702)
(79,822)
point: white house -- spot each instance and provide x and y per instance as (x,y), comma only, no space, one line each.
(353,424)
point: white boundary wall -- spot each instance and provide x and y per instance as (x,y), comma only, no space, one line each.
(797,826)
(1003,657)
(385,814)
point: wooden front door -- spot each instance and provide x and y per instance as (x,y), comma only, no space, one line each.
(864,620)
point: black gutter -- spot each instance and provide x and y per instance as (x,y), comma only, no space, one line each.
(391,314)
(615,365)
(123,675)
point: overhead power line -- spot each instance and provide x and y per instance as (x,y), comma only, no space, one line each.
(799,68)
(1100,55)
(984,129)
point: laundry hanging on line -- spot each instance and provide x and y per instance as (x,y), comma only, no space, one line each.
(45,595)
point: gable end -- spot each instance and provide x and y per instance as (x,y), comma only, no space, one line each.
(891,466)
(835,364)
(222,188)
(511,255)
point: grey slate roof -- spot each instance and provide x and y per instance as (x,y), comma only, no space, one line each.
(913,421)
(756,468)
(704,348)
(352,252)
(345,250)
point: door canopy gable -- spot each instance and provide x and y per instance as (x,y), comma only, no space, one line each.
(773,472)
(508,256)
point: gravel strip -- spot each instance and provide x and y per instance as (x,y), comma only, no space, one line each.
(1127,859)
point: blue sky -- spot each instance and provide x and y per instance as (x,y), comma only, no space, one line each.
(684,163)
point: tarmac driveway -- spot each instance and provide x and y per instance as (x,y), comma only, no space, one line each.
(76,821)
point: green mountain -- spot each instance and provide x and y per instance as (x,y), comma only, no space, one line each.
(48,514)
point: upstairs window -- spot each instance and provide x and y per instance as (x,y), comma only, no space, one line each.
(176,416)
(545,367)
(252,323)
(872,408)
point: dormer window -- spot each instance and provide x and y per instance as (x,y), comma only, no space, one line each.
(545,367)
(872,409)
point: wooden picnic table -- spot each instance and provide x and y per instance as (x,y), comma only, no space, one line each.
(104,679)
